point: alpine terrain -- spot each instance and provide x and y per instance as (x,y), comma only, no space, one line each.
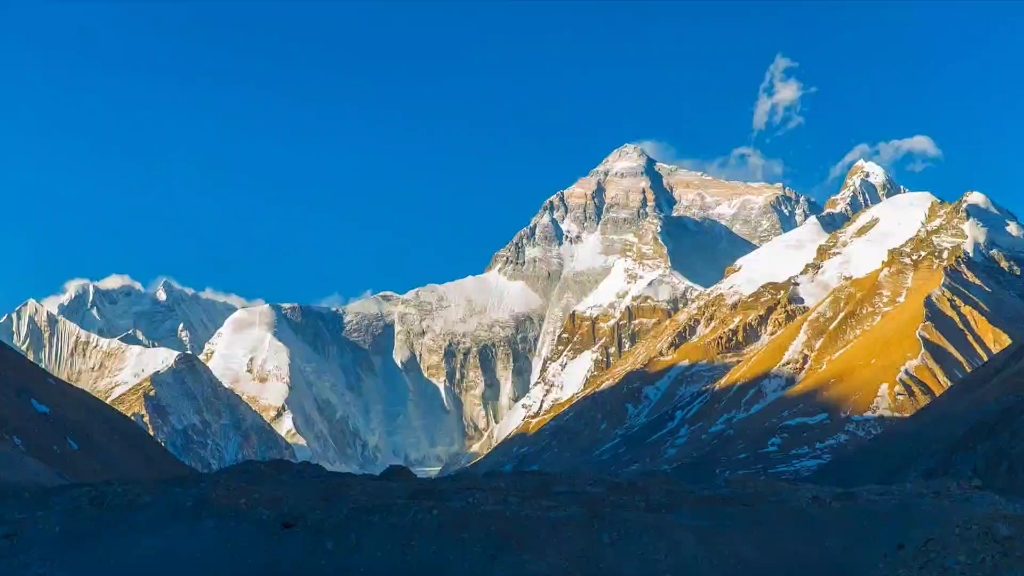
(53,433)
(647,316)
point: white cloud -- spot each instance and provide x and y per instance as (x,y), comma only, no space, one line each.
(917,148)
(112,282)
(778,98)
(336,300)
(208,293)
(660,151)
(745,163)
(233,299)
(778,107)
(115,281)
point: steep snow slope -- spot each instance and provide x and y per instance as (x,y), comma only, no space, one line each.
(102,366)
(170,393)
(776,366)
(411,379)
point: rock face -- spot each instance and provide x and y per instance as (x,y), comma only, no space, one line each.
(53,433)
(819,339)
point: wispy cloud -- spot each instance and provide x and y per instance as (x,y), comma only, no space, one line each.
(743,163)
(778,98)
(917,149)
(778,107)
(112,282)
(115,281)
(336,300)
(209,293)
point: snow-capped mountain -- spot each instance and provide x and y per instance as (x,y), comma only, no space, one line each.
(171,394)
(436,376)
(427,378)
(646,316)
(169,315)
(817,339)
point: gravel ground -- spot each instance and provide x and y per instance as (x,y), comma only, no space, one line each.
(282,518)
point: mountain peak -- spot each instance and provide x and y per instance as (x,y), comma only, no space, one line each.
(628,158)
(166,287)
(865,185)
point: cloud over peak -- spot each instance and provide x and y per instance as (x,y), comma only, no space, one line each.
(744,163)
(336,300)
(115,281)
(919,149)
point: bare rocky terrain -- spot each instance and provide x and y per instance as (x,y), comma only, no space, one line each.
(280,517)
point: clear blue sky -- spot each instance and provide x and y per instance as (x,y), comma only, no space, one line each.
(288,152)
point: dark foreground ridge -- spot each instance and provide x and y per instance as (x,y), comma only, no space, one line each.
(282,518)
(52,433)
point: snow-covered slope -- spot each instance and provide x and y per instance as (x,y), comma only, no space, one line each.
(103,366)
(413,379)
(170,393)
(815,340)
(168,316)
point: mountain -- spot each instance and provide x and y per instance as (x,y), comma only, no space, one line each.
(171,394)
(53,433)
(431,377)
(820,338)
(647,317)
(972,433)
(441,374)
(168,316)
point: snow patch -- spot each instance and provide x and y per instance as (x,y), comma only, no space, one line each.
(464,304)
(585,254)
(817,419)
(39,406)
(563,380)
(881,406)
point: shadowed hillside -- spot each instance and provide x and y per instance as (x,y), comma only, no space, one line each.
(52,432)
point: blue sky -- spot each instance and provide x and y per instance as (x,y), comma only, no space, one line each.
(290,152)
